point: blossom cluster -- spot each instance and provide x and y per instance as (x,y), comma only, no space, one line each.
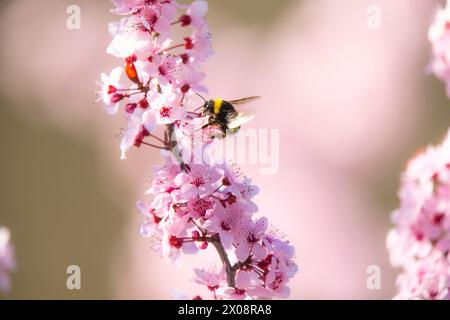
(7,261)
(439,37)
(197,202)
(420,241)
(212,205)
(163,77)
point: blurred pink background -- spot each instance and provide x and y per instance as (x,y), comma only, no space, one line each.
(352,105)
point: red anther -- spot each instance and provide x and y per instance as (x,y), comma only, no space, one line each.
(185,88)
(140,137)
(170,189)
(130,107)
(162,71)
(143,104)
(138,141)
(175,242)
(438,217)
(164,112)
(435,177)
(156,219)
(111,89)
(419,236)
(197,298)
(116,97)
(204,245)
(184,58)
(144,132)
(131,59)
(226,182)
(239,292)
(230,200)
(185,20)
(188,44)
(265,263)
(447,25)
(213,288)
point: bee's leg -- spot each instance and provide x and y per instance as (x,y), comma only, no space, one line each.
(212,121)
(223,129)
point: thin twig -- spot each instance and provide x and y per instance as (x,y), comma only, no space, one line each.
(215,240)
(230,270)
(154,146)
(158,138)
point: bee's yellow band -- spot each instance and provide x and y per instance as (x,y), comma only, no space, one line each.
(217,104)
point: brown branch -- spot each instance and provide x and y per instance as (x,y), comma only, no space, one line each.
(215,240)
(230,271)
(154,145)
(158,138)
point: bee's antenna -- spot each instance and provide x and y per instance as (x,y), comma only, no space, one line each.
(202,99)
(200,96)
(197,109)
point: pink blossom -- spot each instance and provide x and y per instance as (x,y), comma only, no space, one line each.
(199,207)
(171,249)
(249,236)
(149,226)
(439,36)
(7,260)
(224,222)
(244,288)
(153,21)
(232,293)
(279,268)
(109,94)
(164,175)
(233,180)
(212,277)
(127,6)
(190,82)
(422,223)
(162,68)
(198,180)
(195,14)
(425,280)
(127,44)
(198,48)
(138,129)
(193,138)
(166,106)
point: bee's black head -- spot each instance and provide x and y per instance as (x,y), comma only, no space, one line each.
(208,107)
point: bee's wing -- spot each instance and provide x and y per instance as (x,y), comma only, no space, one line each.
(239,121)
(243,100)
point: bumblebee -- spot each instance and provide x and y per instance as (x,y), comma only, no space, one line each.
(223,115)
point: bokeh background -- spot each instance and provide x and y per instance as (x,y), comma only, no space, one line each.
(352,105)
